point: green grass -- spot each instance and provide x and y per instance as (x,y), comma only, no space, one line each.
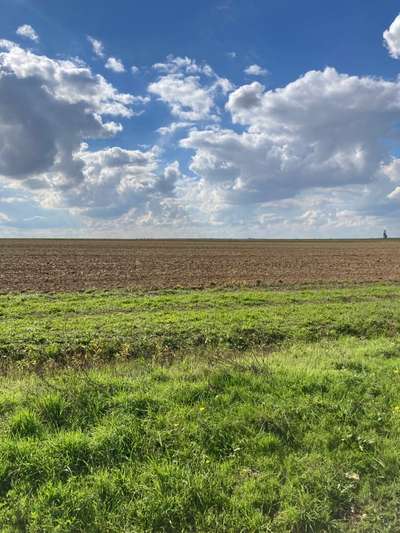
(106,326)
(302,440)
(236,411)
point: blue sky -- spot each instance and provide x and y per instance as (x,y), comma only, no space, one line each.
(278,118)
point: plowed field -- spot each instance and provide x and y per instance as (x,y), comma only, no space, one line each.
(70,265)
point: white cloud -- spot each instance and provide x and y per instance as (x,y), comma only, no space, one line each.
(187,99)
(391,38)
(5,44)
(116,181)
(256,70)
(174,65)
(323,130)
(395,194)
(392,170)
(97,46)
(174,127)
(310,158)
(28,32)
(188,88)
(47,108)
(115,64)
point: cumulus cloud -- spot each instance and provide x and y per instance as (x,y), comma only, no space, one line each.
(47,108)
(256,70)
(174,65)
(392,186)
(323,130)
(189,89)
(134,69)
(97,46)
(174,127)
(117,181)
(115,64)
(28,32)
(22,213)
(314,154)
(186,98)
(392,170)
(391,38)
(395,194)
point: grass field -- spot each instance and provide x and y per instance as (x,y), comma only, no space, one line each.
(217,410)
(41,329)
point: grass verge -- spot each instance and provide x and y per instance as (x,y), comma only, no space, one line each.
(305,439)
(40,329)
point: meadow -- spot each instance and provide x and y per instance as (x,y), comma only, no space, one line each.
(53,329)
(214,410)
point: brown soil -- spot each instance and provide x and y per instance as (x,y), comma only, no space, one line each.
(69,265)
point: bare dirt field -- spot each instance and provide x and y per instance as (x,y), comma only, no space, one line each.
(69,265)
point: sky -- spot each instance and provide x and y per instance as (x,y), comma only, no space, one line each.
(222,119)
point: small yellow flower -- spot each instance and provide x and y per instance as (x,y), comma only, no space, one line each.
(353,476)
(202,408)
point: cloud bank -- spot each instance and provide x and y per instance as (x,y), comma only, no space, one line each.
(313,157)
